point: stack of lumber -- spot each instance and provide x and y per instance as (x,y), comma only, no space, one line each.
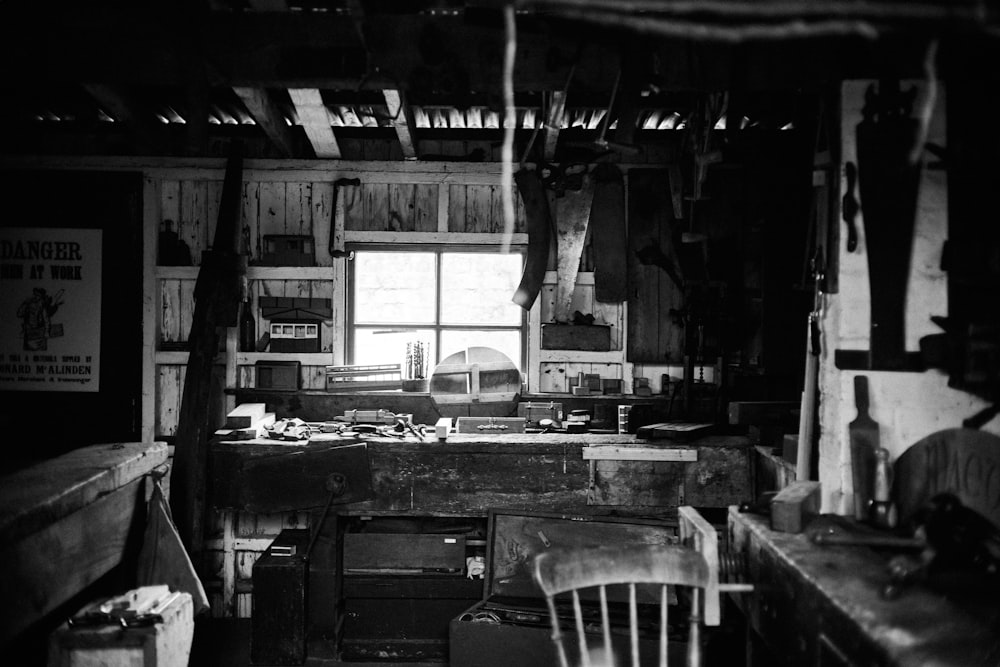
(247,421)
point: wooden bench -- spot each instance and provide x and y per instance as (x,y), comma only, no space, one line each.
(66,522)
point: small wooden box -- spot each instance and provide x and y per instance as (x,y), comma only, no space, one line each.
(166,644)
(273,374)
(288,250)
(534,412)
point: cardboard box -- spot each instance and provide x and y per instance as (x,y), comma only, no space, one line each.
(510,626)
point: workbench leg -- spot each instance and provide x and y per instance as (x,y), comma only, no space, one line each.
(228,564)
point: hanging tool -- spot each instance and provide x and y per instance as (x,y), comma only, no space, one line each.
(336,244)
(602,142)
(849,206)
(807,413)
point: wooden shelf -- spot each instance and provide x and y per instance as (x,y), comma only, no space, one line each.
(304,358)
(253,272)
(180,357)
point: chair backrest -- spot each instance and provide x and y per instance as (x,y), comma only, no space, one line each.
(596,568)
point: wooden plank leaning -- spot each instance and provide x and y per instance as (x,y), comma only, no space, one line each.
(216,299)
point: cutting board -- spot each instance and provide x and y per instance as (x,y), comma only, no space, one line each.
(863,433)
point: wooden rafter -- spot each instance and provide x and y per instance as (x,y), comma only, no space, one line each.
(557,107)
(401,117)
(115,102)
(268,117)
(269,5)
(315,120)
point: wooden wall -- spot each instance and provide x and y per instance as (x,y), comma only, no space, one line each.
(391,205)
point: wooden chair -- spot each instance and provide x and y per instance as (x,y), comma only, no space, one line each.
(588,570)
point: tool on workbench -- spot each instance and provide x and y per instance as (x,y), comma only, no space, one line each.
(883,511)
(961,547)
(831,537)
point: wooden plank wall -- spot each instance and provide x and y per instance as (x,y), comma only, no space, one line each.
(300,207)
(556,367)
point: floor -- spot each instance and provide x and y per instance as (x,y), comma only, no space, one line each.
(226,643)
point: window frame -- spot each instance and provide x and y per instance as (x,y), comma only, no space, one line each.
(438,249)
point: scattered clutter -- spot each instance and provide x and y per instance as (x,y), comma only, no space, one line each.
(475,567)
(289,429)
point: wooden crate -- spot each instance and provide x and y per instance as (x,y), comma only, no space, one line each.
(166,644)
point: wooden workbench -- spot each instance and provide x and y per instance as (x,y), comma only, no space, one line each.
(259,487)
(469,474)
(66,522)
(822,605)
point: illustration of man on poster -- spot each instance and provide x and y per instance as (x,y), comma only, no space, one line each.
(35,314)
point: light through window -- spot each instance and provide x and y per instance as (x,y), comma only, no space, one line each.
(446,300)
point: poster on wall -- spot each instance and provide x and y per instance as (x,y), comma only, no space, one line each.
(50,309)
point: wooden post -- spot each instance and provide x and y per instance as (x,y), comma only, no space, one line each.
(216,299)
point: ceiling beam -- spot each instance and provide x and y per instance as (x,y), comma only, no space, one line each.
(401,117)
(273,49)
(268,117)
(124,109)
(268,5)
(115,102)
(315,120)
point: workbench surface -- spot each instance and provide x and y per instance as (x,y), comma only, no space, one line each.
(822,605)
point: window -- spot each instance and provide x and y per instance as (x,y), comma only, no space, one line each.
(446,299)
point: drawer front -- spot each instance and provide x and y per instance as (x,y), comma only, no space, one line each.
(405,551)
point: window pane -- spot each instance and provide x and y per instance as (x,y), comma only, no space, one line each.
(476,288)
(385,346)
(395,287)
(508,342)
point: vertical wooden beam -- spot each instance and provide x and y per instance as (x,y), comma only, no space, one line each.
(150,304)
(315,120)
(268,116)
(401,117)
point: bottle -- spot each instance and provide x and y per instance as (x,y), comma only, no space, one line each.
(247,323)
(883,512)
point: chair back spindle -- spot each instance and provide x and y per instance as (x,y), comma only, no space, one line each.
(595,568)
